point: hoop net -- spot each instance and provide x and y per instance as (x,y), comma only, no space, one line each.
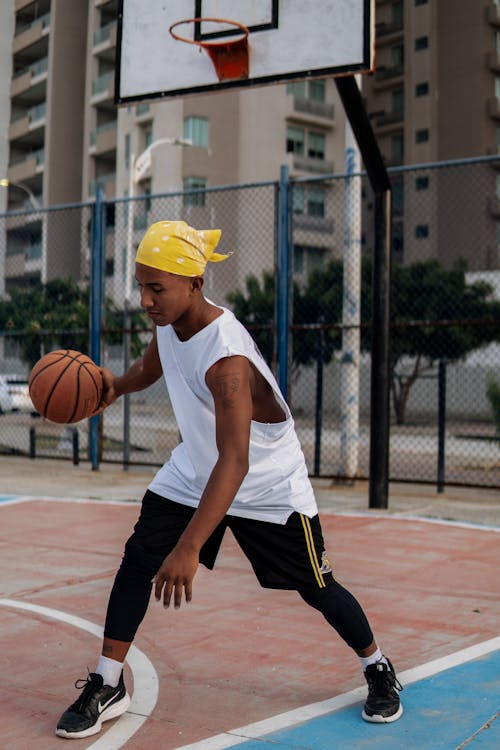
(230,59)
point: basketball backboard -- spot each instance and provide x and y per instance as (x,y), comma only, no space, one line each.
(287,40)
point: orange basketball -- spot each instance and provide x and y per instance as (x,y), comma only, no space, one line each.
(65,386)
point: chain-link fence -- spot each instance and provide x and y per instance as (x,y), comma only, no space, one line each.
(445,335)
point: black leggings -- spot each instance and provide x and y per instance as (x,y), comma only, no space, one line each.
(131,592)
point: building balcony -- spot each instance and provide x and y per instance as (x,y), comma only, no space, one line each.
(388,76)
(311,165)
(312,107)
(107,183)
(31,34)
(105,42)
(103,138)
(313,223)
(493,14)
(493,61)
(493,106)
(494,206)
(30,165)
(103,88)
(388,32)
(388,121)
(143,111)
(33,119)
(31,76)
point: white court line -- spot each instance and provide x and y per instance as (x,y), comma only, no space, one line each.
(313,710)
(145,679)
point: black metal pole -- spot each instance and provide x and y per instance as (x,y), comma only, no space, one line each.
(441,424)
(380,367)
(319,403)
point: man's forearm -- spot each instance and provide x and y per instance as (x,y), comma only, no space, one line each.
(222,486)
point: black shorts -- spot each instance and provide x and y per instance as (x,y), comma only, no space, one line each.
(283,556)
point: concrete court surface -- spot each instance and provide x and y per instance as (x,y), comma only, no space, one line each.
(242,665)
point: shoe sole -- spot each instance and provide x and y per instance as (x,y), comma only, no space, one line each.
(117,709)
(379,719)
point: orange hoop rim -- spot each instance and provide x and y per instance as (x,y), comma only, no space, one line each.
(244,29)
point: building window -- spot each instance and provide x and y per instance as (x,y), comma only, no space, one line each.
(148,137)
(196,130)
(316,145)
(295,139)
(497,87)
(422,136)
(498,234)
(421,42)
(422,89)
(311,201)
(398,101)
(421,183)
(398,196)
(397,148)
(316,202)
(307,259)
(420,2)
(298,199)
(421,231)
(297,88)
(397,55)
(196,198)
(317,90)
(397,12)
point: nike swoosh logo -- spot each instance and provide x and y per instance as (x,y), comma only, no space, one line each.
(102,706)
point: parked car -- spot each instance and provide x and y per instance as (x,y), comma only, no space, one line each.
(14,394)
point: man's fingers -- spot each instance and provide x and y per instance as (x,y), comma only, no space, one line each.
(158,581)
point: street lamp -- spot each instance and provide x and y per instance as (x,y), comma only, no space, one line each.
(139,168)
(4,182)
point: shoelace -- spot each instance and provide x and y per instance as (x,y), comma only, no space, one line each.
(381,682)
(87,685)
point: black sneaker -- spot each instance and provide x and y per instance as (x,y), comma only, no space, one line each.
(383,704)
(97,703)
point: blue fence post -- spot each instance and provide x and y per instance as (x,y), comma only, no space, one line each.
(283,282)
(96,308)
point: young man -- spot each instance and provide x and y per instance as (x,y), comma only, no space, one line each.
(239,465)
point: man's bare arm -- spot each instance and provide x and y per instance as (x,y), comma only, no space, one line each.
(228,381)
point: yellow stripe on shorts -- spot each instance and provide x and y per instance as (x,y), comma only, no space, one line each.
(312,550)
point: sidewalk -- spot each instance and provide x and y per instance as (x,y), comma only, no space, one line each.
(56,478)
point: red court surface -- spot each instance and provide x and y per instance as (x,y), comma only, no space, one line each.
(237,654)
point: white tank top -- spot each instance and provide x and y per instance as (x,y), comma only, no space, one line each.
(277,482)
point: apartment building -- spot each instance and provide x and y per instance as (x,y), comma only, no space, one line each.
(434,96)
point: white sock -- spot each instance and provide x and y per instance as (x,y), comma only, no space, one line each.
(110,670)
(377,656)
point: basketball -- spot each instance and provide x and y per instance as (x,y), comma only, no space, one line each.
(65,386)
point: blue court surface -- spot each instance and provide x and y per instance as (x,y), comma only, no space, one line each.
(457,708)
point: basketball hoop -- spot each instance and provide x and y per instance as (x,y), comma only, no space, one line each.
(230,59)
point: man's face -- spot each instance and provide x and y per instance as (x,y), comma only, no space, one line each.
(166,297)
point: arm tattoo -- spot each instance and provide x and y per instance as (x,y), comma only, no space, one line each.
(227,386)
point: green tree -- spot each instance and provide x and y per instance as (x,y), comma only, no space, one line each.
(56,315)
(422,294)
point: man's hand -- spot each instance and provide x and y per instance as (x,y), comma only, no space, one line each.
(175,574)
(109,394)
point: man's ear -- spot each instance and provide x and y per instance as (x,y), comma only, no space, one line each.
(197,283)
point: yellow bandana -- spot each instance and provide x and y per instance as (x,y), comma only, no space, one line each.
(176,247)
